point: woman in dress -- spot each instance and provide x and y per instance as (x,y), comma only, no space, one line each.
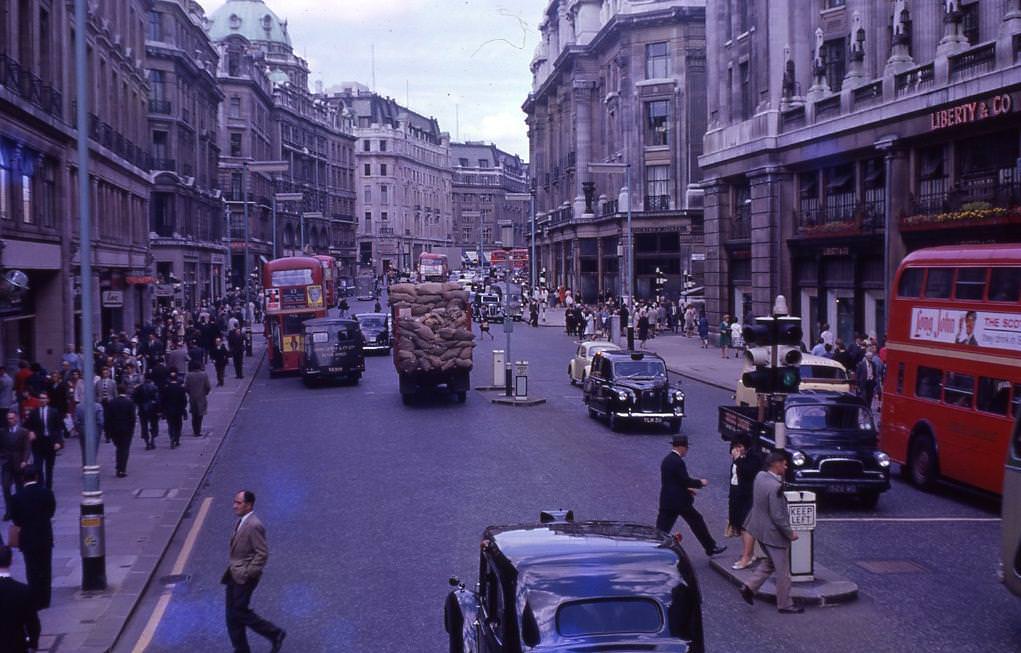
(724,336)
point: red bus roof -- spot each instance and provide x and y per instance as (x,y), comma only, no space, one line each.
(1007,253)
(292,263)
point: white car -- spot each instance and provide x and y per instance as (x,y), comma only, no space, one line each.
(578,368)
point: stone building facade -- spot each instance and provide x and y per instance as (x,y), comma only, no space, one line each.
(846,134)
(269,114)
(39,171)
(402,178)
(483,176)
(620,83)
(187,206)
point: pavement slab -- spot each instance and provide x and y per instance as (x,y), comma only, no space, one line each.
(142,512)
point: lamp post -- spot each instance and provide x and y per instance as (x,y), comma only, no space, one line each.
(91,526)
(530,198)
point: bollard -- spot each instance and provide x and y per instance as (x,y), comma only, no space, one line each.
(498,365)
(801,508)
(521,380)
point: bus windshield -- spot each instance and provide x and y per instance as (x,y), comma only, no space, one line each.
(291,277)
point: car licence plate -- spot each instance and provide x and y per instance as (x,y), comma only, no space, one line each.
(842,488)
(650,420)
(336,370)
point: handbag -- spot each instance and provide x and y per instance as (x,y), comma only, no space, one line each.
(14,536)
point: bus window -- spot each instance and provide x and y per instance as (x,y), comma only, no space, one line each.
(938,282)
(1005,285)
(971,282)
(928,383)
(911,283)
(958,389)
(993,396)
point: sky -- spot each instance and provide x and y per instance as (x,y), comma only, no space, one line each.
(463,61)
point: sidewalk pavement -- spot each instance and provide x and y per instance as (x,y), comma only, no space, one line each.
(683,356)
(142,512)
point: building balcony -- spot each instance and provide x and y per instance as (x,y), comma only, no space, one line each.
(657,202)
(30,88)
(976,191)
(610,208)
(162,107)
(973,62)
(842,215)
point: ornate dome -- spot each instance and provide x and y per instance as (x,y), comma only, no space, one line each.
(251,19)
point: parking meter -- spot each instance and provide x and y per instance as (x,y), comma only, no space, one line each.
(498,368)
(801,509)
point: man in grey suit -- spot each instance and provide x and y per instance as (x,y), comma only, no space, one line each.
(248,556)
(769,523)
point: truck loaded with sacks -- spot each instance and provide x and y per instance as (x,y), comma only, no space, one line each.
(433,338)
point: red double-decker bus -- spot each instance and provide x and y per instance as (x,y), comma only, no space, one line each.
(519,260)
(293,292)
(953,364)
(330,274)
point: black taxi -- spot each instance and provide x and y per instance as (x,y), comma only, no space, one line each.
(561,585)
(632,386)
(333,350)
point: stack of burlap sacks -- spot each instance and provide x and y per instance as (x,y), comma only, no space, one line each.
(437,337)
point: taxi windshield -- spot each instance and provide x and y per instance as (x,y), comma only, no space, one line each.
(372,322)
(639,369)
(828,418)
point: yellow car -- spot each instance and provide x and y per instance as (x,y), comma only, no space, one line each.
(578,368)
(817,373)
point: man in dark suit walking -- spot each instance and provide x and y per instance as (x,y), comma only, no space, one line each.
(19,621)
(236,344)
(15,448)
(677,497)
(120,425)
(32,509)
(248,556)
(48,425)
(769,523)
(174,406)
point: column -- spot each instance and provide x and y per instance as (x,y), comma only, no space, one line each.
(767,250)
(898,196)
(582,96)
(715,274)
(600,287)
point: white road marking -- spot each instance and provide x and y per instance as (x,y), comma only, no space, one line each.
(182,559)
(917,520)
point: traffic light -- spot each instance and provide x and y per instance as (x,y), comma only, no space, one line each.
(773,339)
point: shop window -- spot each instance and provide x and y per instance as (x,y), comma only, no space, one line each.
(657,118)
(928,383)
(834,53)
(938,283)
(993,396)
(657,61)
(971,283)
(1005,284)
(958,389)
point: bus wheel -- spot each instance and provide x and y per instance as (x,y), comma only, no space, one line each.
(923,466)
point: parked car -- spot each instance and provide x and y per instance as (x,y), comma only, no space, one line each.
(817,373)
(578,368)
(632,386)
(560,585)
(831,440)
(376,331)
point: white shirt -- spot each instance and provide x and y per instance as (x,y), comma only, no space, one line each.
(241,522)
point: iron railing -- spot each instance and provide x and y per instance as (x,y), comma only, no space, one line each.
(610,207)
(657,202)
(868,95)
(29,87)
(914,80)
(973,62)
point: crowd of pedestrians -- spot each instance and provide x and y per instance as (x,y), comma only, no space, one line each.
(157,373)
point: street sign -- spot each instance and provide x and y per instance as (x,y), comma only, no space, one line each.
(697,256)
(802,516)
(113,298)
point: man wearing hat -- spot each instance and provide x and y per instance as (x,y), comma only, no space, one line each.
(677,497)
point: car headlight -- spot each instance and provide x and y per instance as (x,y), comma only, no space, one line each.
(798,458)
(883,459)
(624,395)
(677,397)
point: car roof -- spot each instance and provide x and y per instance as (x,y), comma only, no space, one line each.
(361,315)
(822,361)
(624,354)
(608,346)
(566,561)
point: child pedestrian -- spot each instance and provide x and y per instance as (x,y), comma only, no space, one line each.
(484,328)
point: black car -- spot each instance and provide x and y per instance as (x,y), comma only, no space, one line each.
(832,443)
(632,386)
(560,585)
(332,351)
(375,331)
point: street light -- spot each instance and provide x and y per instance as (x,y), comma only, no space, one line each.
(282,197)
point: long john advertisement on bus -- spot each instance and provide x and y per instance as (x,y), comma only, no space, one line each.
(978,328)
